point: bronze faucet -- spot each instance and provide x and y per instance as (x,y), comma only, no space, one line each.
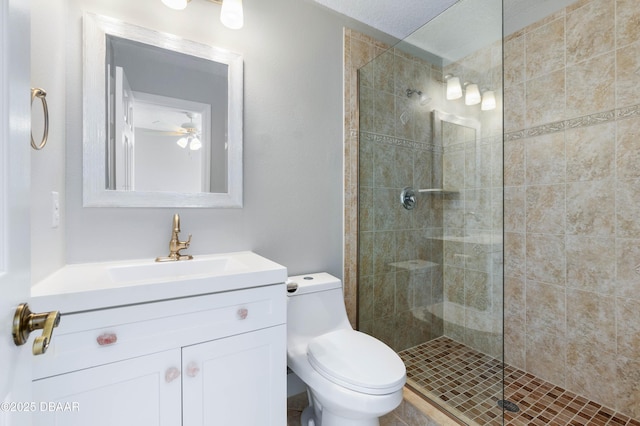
(175,245)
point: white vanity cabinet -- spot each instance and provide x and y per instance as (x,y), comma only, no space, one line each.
(213,359)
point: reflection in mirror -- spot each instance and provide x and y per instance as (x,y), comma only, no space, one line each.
(454,136)
(173,114)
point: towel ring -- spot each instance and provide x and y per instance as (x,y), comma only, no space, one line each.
(40,93)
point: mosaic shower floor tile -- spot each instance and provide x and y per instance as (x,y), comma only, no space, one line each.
(469,385)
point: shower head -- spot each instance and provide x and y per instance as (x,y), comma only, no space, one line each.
(422,98)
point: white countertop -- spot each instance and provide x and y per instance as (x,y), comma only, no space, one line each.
(90,286)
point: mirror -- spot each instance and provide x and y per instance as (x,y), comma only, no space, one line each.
(162,119)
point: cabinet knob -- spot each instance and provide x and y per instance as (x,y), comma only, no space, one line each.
(171,374)
(193,369)
(243,313)
(106,339)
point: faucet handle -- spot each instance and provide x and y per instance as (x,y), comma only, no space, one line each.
(188,241)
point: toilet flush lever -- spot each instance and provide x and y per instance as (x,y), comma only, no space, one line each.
(25,321)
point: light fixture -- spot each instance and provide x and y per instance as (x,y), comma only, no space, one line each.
(182,142)
(488,100)
(423,98)
(454,90)
(231,14)
(195,143)
(471,94)
(176,4)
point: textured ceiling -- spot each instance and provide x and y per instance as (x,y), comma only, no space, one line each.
(471,22)
(398,18)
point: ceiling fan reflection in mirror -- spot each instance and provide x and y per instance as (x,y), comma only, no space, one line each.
(189,132)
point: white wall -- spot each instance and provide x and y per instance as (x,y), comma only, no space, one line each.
(293,148)
(47,165)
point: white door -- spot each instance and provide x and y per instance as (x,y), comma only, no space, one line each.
(124,133)
(15,367)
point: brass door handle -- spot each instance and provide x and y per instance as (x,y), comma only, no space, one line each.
(25,321)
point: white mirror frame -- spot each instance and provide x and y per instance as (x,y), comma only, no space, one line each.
(94,131)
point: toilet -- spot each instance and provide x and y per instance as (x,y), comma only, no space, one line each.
(352,378)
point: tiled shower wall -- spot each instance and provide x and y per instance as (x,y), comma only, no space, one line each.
(572,201)
(419,276)
(400,266)
(472,217)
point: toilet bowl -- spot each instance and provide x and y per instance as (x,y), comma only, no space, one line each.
(352,378)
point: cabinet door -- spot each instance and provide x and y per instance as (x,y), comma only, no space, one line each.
(239,380)
(143,391)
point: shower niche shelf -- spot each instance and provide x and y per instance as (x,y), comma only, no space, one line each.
(408,195)
(438,191)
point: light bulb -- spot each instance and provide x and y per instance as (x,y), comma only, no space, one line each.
(182,142)
(231,14)
(195,144)
(472,94)
(454,90)
(176,4)
(488,101)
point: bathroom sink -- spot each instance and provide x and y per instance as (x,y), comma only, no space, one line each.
(98,285)
(153,271)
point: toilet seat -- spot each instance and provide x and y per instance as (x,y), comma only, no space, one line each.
(357,361)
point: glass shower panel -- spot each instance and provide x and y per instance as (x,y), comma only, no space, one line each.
(430,249)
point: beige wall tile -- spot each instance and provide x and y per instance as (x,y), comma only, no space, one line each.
(514,342)
(584,310)
(514,248)
(591,86)
(628,313)
(514,299)
(628,208)
(592,370)
(365,253)
(545,159)
(384,288)
(477,290)
(627,22)
(514,321)
(514,107)
(385,113)
(545,309)
(514,65)
(628,268)
(590,152)
(545,49)
(514,205)
(628,389)
(546,356)
(590,30)
(627,152)
(546,258)
(383,72)
(366,99)
(591,208)
(545,99)
(627,77)
(545,209)
(591,264)
(514,170)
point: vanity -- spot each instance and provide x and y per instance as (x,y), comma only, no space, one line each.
(177,343)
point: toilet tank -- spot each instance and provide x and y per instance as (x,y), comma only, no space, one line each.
(315,306)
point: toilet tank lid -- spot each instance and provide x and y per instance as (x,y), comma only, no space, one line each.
(311,283)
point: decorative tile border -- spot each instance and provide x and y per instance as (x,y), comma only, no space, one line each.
(404,143)
(574,123)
